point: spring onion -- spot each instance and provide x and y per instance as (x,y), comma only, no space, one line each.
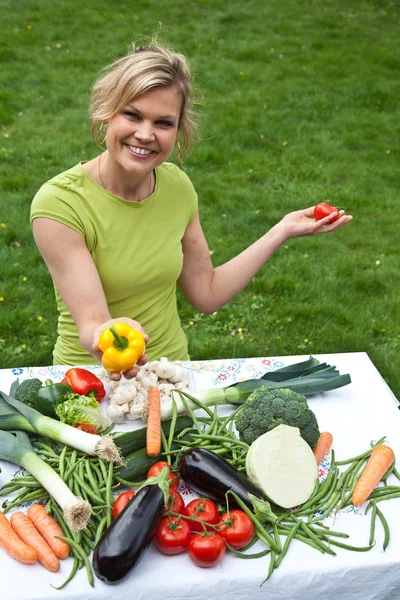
(307,377)
(94,445)
(16,448)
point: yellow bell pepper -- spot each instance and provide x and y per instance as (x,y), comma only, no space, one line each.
(122,346)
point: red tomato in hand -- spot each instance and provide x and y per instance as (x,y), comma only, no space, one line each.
(175,502)
(323,210)
(206,550)
(156,469)
(205,511)
(173,535)
(121,502)
(236,528)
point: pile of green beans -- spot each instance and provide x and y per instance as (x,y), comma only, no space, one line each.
(210,431)
(304,523)
(87,477)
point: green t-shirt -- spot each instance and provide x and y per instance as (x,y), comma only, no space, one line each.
(137,250)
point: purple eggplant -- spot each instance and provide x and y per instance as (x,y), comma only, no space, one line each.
(212,476)
(125,541)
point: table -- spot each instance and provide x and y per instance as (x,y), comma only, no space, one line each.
(363,411)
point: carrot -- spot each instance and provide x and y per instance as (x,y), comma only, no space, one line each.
(48,528)
(153,433)
(379,462)
(12,544)
(28,533)
(323,446)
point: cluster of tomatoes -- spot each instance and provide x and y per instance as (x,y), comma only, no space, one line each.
(197,528)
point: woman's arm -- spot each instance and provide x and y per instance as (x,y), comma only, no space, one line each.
(208,288)
(76,278)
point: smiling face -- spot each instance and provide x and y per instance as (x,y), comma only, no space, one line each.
(143,134)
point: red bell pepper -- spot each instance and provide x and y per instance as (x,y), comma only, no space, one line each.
(85,383)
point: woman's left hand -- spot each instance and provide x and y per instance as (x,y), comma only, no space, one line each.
(301,223)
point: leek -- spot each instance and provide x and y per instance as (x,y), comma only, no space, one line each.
(12,420)
(306,377)
(16,448)
(94,445)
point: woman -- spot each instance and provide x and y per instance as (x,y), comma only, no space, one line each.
(119,231)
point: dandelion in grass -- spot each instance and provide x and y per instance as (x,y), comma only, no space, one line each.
(24,279)
(1,299)
(40,318)
(23,346)
(377,262)
(3,225)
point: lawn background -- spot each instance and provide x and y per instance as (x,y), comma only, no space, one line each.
(299,104)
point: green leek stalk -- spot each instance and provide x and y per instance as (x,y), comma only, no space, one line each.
(94,445)
(307,378)
(12,420)
(16,448)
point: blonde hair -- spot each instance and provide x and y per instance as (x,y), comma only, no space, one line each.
(142,69)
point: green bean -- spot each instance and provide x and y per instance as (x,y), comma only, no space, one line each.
(287,544)
(382,490)
(22,498)
(108,429)
(262,532)
(240,554)
(127,483)
(219,438)
(372,526)
(316,538)
(347,547)
(328,507)
(271,566)
(197,402)
(90,476)
(70,576)
(302,538)
(100,529)
(109,496)
(277,538)
(62,461)
(362,456)
(385,528)
(328,532)
(385,497)
(174,417)
(165,445)
(80,553)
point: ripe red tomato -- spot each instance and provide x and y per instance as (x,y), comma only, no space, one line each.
(205,511)
(121,501)
(156,469)
(87,428)
(206,550)
(236,528)
(175,502)
(324,210)
(172,535)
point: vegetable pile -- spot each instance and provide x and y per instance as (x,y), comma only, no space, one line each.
(256,471)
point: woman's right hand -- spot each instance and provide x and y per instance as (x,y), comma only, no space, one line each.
(96,352)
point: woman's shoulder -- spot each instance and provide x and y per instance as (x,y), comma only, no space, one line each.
(67,179)
(170,174)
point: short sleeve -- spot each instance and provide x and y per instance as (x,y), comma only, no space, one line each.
(56,203)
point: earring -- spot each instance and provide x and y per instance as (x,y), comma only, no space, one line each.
(102,132)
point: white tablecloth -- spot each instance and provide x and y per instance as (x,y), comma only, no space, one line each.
(363,411)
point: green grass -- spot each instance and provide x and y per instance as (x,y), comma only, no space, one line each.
(300,105)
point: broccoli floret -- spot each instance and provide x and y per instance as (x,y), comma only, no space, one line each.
(27,391)
(266,408)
